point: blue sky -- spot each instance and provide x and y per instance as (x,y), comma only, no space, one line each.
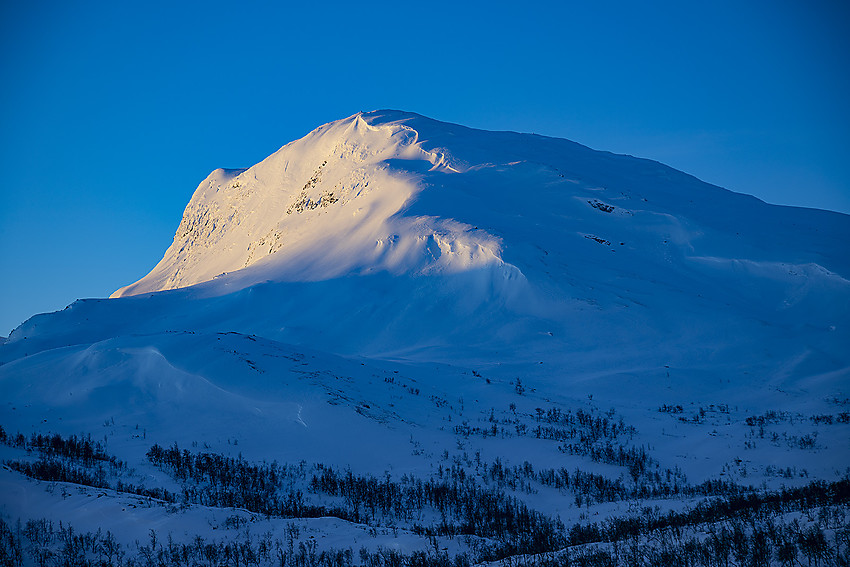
(112,113)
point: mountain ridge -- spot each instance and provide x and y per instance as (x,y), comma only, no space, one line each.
(405,237)
(305,193)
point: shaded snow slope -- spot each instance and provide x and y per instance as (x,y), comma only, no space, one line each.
(391,236)
(393,295)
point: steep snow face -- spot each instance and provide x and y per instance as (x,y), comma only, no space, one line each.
(321,207)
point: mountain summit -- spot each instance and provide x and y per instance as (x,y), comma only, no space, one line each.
(397,192)
(325,206)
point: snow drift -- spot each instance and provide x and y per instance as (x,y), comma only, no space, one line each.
(391,294)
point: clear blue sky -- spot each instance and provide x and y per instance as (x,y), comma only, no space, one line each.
(112,112)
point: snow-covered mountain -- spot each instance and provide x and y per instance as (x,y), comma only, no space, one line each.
(391,234)
(380,292)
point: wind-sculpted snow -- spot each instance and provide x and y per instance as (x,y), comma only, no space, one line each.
(328,205)
(393,303)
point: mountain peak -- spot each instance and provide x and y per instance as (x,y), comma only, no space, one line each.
(320,207)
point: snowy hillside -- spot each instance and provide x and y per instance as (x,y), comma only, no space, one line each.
(403,299)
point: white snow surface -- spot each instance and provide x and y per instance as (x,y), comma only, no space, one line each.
(393,235)
(304,299)
(325,206)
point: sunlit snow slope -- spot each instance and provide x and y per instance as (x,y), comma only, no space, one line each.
(325,206)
